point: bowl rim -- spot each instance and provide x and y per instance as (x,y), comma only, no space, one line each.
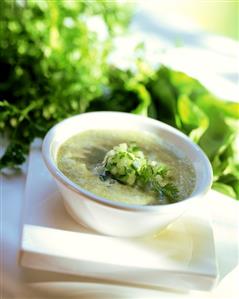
(58,175)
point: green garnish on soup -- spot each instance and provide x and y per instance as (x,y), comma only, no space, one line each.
(127,164)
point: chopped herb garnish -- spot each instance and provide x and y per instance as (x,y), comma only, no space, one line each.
(127,164)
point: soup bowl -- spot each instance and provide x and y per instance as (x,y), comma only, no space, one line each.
(118,218)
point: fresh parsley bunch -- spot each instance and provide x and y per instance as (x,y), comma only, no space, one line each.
(53,60)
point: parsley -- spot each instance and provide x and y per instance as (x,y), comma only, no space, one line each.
(53,60)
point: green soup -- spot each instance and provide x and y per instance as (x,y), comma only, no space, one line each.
(79,156)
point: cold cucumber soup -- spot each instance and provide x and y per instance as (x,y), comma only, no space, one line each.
(127,166)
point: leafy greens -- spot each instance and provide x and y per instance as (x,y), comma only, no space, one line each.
(53,59)
(54,65)
(181,101)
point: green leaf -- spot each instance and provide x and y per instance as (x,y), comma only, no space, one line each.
(14,155)
(164,96)
(194,120)
(223,188)
(143,95)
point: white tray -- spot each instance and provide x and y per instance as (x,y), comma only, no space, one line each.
(181,257)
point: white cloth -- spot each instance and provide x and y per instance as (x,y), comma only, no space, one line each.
(15,280)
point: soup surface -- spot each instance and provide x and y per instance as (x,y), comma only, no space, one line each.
(79,156)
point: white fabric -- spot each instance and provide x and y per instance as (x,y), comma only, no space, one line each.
(19,283)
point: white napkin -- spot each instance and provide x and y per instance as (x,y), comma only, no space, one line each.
(182,256)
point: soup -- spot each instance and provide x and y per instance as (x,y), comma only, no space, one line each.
(80,156)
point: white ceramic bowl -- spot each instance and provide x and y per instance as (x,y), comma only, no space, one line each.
(115,218)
